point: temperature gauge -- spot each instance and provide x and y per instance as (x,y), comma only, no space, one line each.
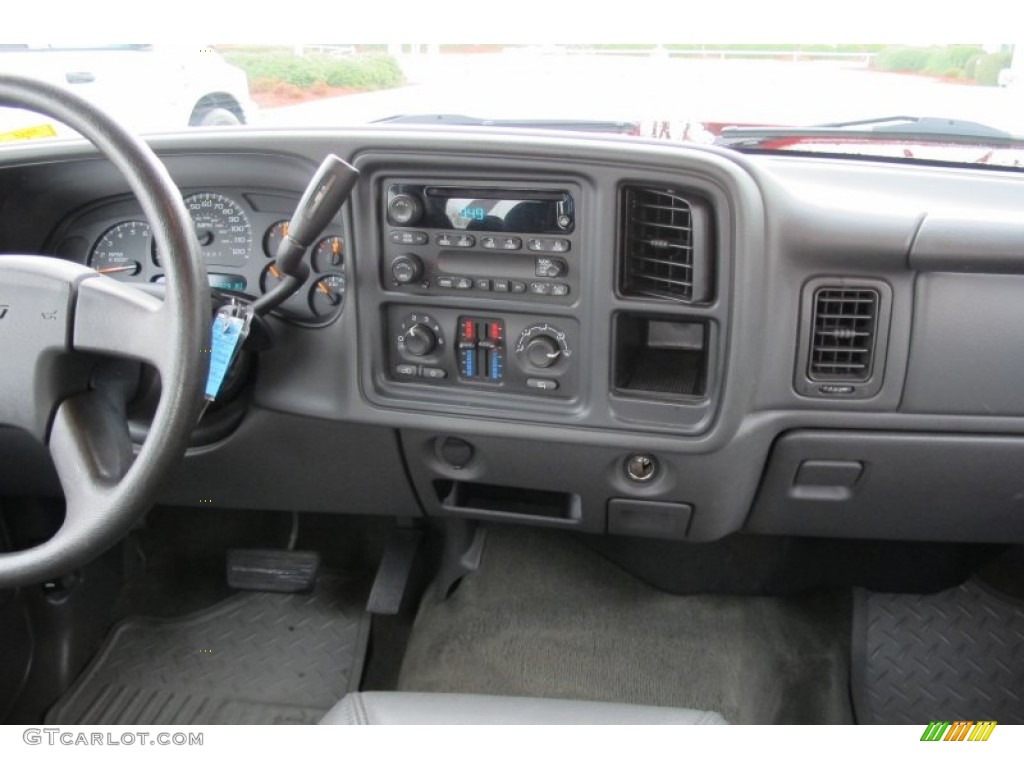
(327,294)
(329,253)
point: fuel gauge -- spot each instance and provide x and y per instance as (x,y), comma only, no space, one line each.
(329,253)
(327,294)
(272,239)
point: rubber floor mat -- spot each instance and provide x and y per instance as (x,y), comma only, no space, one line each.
(955,655)
(257,658)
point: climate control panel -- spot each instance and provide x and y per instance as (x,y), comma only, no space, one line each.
(503,352)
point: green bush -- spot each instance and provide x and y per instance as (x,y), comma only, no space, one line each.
(365,71)
(989,66)
(953,57)
(902,59)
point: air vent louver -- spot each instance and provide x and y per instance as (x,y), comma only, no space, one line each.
(843,334)
(663,245)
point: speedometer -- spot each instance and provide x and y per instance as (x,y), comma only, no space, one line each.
(222,228)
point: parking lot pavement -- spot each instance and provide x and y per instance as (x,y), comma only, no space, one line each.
(517,85)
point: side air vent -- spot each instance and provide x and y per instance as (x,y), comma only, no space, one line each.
(665,245)
(842,348)
(843,334)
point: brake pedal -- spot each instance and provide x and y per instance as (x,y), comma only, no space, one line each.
(272,570)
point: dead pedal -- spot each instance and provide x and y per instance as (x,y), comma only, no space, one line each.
(272,570)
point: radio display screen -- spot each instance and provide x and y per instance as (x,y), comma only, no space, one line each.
(493,210)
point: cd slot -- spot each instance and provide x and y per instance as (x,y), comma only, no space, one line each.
(493,193)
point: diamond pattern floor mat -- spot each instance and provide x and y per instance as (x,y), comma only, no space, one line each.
(256,658)
(955,655)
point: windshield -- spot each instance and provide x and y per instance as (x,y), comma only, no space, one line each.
(745,96)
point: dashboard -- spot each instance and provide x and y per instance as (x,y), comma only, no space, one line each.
(604,334)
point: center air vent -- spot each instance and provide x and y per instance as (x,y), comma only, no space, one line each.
(665,245)
(843,334)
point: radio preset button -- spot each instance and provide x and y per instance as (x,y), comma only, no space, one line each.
(483,284)
(409,238)
(463,283)
(447,240)
(501,243)
(517,286)
(548,244)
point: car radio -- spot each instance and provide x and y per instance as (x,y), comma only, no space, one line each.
(492,241)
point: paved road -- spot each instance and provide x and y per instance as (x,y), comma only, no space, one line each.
(625,88)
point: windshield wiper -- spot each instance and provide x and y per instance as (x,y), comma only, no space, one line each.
(940,130)
(588,126)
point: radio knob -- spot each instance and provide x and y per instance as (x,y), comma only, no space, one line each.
(420,340)
(406,268)
(542,351)
(404,209)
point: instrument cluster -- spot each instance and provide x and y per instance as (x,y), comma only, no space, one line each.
(239,232)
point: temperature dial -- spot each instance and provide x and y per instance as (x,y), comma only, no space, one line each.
(542,345)
(542,351)
(419,336)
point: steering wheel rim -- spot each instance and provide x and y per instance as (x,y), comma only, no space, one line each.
(58,310)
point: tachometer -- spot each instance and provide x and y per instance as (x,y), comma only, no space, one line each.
(121,249)
(222,228)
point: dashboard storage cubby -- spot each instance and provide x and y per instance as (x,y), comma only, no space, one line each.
(485,499)
(659,356)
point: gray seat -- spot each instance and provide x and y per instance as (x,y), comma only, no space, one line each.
(394,708)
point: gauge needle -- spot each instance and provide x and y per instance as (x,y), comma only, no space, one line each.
(327,292)
(111,270)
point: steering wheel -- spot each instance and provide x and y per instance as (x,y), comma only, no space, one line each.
(59,316)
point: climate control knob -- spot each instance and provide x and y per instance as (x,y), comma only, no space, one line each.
(406,268)
(542,351)
(420,340)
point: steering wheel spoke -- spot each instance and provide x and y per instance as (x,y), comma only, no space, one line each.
(91,449)
(117,319)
